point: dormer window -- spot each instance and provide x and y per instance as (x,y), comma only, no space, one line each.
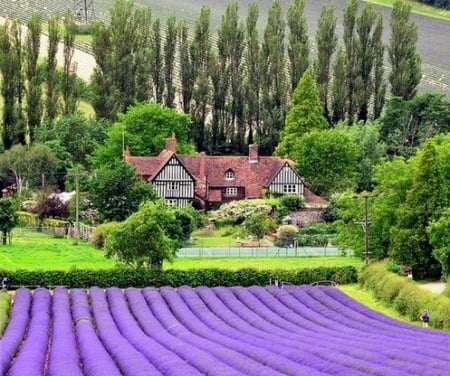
(229,175)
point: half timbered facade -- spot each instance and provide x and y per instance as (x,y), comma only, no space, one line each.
(207,181)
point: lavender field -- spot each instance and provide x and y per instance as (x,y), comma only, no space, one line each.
(212,331)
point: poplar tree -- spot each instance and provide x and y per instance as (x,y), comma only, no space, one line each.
(143,59)
(379,83)
(298,48)
(338,92)
(34,104)
(406,64)
(169,61)
(200,52)
(51,104)
(350,48)
(273,78)
(326,41)
(69,77)
(157,63)
(186,69)
(252,76)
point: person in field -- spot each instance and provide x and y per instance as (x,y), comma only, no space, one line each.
(425,317)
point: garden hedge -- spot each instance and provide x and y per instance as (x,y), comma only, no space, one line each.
(122,277)
(5,303)
(405,296)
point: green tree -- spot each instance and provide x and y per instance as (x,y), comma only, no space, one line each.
(144,130)
(439,235)
(259,224)
(187,77)
(326,42)
(34,103)
(327,159)
(143,56)
(116,191)
(273,81)
(338,93)
(8,218)
(424,203)
(298,47)
(158,66)
(286,236)
(169,61)
(379,82)
(51,103)
(406,64)
(305,115)
(69,89)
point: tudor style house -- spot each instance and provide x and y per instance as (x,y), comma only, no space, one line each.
(207,181)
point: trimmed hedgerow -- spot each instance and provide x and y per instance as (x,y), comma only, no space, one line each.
(123,277)
(5,304)
(405,296)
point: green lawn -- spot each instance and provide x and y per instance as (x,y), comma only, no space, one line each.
(418,8)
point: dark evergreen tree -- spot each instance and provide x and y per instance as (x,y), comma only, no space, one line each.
(143,56)
(406,63)
(298,47)
(169,61)
(273,79)
(51,104)
(338,92)
(326,41)
(34,94)
(157,63)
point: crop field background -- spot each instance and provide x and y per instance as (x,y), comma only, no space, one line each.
(434,43)
(212,331)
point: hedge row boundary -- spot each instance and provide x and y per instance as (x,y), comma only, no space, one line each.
(123,278)
(405,296)
(5,305)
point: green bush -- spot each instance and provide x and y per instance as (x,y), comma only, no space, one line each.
(125,277)
(5,304)
(405,296)
(101,232)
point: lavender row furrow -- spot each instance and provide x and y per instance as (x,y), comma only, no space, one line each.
(271,360)
(166,313)
(96,360)
(195,354)
(64,358)
(130,361)
(167,362)
(30,360)
(15,331)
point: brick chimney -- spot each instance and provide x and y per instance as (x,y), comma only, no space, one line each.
(253,156)
(126,153)
(202,168)
(171,143)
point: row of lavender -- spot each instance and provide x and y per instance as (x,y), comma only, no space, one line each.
(212,331)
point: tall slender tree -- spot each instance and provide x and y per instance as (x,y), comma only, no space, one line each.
(157,63)
(200,51)
(273,77)
(338,92)
(34,103)
(405,61)
(379,83)
(69,77)
(51,103)
(169,61)
(350,47)
(143,54)
(298,47)
(252,77)
(326,41)
(186,69)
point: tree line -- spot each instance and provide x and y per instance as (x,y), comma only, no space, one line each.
(236,82)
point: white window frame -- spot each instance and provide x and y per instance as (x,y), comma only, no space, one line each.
(231,191)
(290,188)
(171,202)
(229,175)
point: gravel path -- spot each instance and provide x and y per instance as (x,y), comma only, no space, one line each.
(436,287)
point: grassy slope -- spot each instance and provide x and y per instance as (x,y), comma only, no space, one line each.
(418,8)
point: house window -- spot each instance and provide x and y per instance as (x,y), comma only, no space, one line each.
(171,202)
(173,186)
(231,191)
(229,175)
(290,188)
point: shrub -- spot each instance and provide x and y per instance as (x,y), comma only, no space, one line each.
(126,277)
(286,235)
(238,211)
(101,232)
(5,303)
(290,203)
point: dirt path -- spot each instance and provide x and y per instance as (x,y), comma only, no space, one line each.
(436,287)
